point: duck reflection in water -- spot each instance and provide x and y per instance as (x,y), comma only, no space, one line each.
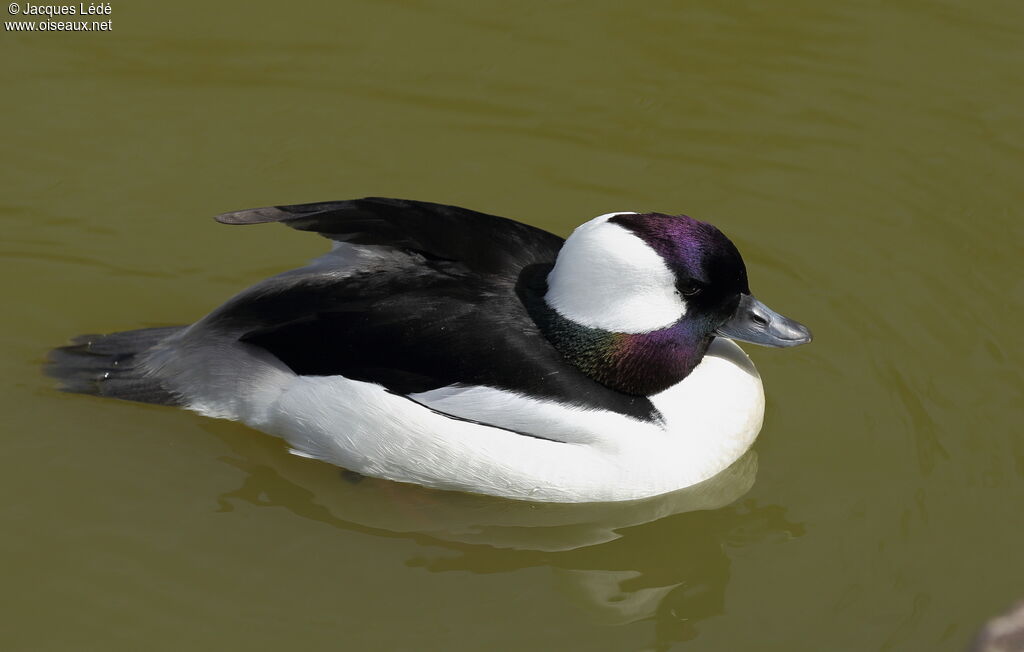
(664,559)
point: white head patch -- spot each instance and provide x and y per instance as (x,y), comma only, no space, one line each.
(607,277)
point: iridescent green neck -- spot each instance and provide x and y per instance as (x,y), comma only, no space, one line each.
(639,364)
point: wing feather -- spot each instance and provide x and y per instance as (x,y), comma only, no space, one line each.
(483,243)
(444,310)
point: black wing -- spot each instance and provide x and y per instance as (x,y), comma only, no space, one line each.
(442,327)
(481,242)
(452,315)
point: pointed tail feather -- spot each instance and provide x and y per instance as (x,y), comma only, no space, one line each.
(108,365)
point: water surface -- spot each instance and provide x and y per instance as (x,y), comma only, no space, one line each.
(866,158)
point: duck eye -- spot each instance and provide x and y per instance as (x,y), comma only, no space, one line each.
(690,290)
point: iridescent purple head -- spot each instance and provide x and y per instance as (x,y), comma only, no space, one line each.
(710,273)
(645,272)
(638,297)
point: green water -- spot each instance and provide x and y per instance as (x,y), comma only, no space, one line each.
(866,158)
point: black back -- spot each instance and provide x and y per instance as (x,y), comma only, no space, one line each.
(450,314)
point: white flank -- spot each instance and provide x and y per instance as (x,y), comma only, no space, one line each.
(606,277)
(575,454)
(710,419)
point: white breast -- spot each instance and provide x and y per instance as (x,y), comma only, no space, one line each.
(711,418)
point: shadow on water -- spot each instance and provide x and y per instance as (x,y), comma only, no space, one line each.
(664,559)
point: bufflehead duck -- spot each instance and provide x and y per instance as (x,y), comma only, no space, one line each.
(458,350)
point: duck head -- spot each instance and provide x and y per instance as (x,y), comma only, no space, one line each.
(638,297)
